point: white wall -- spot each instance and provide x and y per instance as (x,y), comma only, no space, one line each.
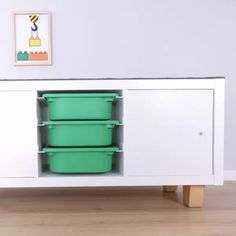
(134,38)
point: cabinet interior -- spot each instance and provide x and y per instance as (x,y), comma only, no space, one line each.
(117,139)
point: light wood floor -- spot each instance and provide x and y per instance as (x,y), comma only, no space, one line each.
(115,211)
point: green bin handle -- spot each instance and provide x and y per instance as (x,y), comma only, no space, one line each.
(51,100)
(109,99)
(50,154)
(51,127)
(110,126)
(110,153)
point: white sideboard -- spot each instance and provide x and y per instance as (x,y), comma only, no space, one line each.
(172,134)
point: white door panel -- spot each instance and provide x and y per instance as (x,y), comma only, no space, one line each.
(169,132)
(18,134)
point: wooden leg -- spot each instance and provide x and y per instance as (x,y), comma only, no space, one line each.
(193,195)
(171,188)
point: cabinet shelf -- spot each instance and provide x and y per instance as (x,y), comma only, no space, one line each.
(112,173)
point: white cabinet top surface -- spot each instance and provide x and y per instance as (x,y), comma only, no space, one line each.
(96,84)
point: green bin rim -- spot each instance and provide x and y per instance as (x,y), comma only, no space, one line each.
(82,122)
(103,149)
(81,95)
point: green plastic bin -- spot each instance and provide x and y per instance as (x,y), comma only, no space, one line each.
(80,106)
(80,160)
(80,133)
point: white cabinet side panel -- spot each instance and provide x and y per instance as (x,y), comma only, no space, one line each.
(18,134)
(169,132)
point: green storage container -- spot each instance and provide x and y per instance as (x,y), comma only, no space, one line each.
(80,106)
(80,133)
(80,160)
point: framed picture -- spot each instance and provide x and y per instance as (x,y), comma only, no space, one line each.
(32,32)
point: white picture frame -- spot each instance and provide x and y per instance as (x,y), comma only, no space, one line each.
(32,38)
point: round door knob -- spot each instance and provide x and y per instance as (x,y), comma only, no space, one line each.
(201,133)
